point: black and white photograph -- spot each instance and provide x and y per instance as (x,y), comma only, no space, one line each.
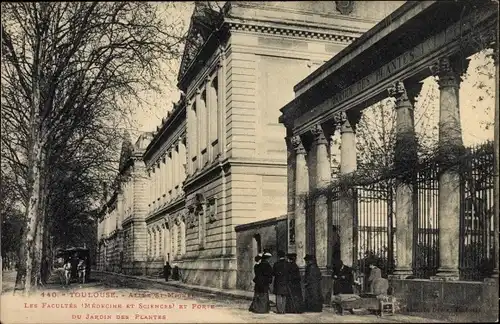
(249,161)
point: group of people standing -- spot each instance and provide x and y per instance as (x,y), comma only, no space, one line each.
(287,284)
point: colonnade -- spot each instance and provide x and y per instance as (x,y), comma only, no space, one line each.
(167,175)
(166,240)
(205,119)
(311,167)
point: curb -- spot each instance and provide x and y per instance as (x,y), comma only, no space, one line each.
(183,286)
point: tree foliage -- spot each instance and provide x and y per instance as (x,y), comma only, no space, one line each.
(71,72)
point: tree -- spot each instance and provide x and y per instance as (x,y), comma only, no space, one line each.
(63,65)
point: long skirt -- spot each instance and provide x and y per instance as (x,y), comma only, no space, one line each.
(260,303)
(313,299)
(295,302)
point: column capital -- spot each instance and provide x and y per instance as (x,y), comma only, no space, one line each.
(339,119)
(346,121)
(319,134)
(198,92)
(450,71)
(397,90)
(297,144)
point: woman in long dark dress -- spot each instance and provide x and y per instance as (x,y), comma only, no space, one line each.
(294,304)
(255,271)
(312,282)
(263,278)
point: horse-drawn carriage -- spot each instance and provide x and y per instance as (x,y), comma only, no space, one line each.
(76,264)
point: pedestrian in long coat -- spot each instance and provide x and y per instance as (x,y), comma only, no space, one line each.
(263,278)
(295,302)
(312,282)
(255,271)
(167,270)
(281,288)
(343,277)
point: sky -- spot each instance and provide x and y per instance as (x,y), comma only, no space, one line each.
(476,102)
(147,117)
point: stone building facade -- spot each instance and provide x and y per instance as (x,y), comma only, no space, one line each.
(121,231)
(218,160)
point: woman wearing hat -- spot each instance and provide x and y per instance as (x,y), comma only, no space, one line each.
(294,304)
(312,282)
(263,278)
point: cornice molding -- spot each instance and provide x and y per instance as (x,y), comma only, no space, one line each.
(174,205)
(291,32)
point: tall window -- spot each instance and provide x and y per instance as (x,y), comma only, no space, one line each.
(201,226)
(174,239)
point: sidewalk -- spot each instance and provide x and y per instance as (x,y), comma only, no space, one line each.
(233,293)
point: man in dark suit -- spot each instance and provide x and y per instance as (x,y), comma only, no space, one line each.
(281,289)
(343,277)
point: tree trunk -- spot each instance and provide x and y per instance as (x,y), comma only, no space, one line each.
(32,213)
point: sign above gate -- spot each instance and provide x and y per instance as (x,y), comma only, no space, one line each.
(459,33)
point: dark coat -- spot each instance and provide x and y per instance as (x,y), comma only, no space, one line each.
(313,294)
(280,273)
(295,304)
(343,280)
(167,270)
(263,277)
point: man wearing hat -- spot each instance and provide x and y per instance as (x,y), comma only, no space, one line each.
(312,282)
(295,302)
(281,289)
(263,278)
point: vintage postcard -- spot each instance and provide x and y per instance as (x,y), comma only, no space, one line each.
(249,161)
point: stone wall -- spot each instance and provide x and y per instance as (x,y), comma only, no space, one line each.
(422,295)
(273,236)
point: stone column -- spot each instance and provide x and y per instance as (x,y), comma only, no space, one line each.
(208,117)
(301,190)
(182,164)
(200,115)
(406,156)
(175,169)
(450,143)
(165,178)
(158,183)
(169,176)
(496,170)
(348,165)
(221,108)
(322,179)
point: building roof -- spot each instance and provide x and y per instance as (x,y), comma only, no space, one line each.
(204,22)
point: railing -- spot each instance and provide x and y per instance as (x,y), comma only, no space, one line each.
(375,222)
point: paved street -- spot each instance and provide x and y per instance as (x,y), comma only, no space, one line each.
(114,299)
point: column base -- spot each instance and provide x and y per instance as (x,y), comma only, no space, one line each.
(444,274)
(401,273)
(495,274)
